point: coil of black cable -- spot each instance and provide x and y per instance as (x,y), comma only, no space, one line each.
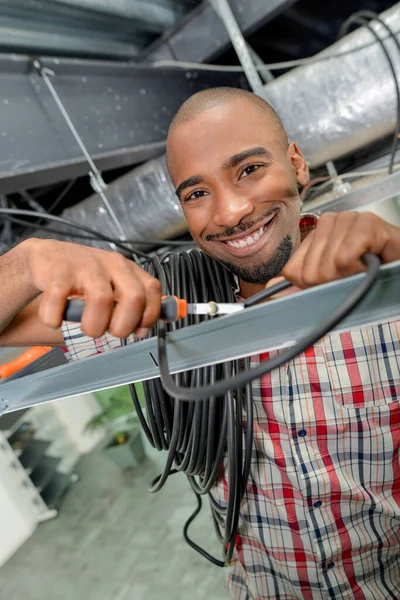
(200,437)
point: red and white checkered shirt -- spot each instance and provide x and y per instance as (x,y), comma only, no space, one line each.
(320,517)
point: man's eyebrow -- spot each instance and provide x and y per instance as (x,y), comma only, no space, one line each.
(189,182)
(236,159)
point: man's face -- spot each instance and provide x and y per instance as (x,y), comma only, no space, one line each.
(237,184)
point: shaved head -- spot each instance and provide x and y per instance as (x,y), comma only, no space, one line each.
(213,97)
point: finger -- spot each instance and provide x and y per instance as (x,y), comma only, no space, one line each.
(274,281)
(293,269)
(54,297)
(340,258)
(153,305)
(99,299)
(318,263)
(130,295)
(128,311)
(369,234)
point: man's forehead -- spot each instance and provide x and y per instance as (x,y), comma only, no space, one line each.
(216,139)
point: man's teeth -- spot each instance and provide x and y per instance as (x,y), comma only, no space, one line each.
(247,241)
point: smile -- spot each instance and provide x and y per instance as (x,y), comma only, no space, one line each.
(248,244)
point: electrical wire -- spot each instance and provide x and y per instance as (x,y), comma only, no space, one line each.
(199,437)
(242,379)
(33,213)
(61,196)
(362,18)
(98,237)
(289,64)
(325,179)
(32,202)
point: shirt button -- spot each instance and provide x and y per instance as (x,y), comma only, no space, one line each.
(302,433)
(330,565)
(317,504)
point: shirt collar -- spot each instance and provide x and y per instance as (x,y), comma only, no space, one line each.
(308,222)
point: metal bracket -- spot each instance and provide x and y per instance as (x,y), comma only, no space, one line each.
(275,324)
(377,191)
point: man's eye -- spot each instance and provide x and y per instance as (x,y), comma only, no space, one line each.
(249,170)
(195,195)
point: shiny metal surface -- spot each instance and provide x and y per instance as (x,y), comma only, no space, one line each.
(121,111)
(338,105)
(375,192)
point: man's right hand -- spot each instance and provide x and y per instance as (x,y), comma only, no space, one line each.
(120,297)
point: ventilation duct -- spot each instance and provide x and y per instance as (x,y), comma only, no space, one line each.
(330,108)
(338,105)
(144,202)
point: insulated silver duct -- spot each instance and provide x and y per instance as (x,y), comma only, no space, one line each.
(335,106)
(330,108)
(144,202)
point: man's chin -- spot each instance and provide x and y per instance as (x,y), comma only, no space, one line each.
(262,271)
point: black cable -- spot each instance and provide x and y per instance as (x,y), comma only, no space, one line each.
(6,235)
(35,226)
(32,202)
(198,437)
(56,219)
(61,195)
(192,544)
(222,387)
(267,293)
(361,18)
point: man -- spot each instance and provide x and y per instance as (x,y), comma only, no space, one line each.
(321,513)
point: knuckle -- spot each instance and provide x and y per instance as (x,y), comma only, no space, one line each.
(153,285)
(342,261)
(309,278)
(133,297)
(119,260)
(103,299)
(57,292)
(327,217)
(368,216)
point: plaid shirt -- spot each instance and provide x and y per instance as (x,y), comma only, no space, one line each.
(320,517)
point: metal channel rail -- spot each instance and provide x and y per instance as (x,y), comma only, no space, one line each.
(276,324)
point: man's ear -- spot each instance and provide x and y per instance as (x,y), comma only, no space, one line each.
(299,164)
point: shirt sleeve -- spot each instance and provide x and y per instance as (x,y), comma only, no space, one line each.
(78,345)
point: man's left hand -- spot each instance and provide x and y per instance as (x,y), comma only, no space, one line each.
(335,247)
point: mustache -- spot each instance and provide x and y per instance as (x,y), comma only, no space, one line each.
(240,228)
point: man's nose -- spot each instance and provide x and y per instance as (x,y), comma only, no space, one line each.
(231,208)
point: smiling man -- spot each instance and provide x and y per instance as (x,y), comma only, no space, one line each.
(321,512)
(242,208)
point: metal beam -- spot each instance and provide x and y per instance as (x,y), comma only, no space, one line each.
(121,111)
(266,327)
(202,35)
(377,191)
